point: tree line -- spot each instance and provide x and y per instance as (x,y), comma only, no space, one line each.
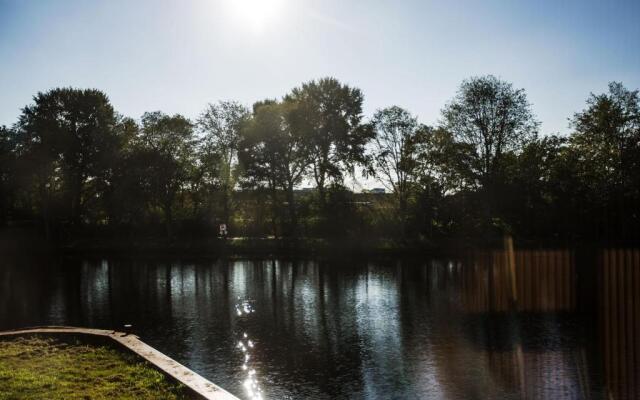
(72,164)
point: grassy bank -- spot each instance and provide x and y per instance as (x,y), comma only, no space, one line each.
(45,368)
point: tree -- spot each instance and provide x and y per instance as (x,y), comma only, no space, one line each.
(166,146)
(273,154)
(394,156)
(7,171)
(68,139)
(444,161)
(494,118)
(125,196)
(537,200)
(221,124)
(607,142)
(608,132)
(329,117)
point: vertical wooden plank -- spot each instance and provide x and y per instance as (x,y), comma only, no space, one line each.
(519,277)
(628,304)
(548,280)
(545,280)
(636,315)
(510,264)
(497,289)
(530,280)
(558,274)
(526,280)
(606,313)
(621,309)
(569,272)
(613,320)
(562,284)
(553,280)
(571,261)
(536,281)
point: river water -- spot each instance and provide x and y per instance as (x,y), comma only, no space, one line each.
(552,323)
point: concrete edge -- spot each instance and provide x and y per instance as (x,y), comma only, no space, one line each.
(196,383)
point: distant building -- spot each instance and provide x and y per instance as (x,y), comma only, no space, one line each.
(378,191)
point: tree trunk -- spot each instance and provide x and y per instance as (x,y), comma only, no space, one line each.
(319,174)
(226,207)
(293,216)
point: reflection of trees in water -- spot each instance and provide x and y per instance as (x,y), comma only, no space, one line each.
(461,329)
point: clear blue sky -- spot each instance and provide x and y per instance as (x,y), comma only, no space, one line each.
(176,56)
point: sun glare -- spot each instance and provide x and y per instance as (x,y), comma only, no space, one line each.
(256,14)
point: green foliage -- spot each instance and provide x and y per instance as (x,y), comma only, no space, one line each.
(274,155)
(394,155)
(217,168)
(74,164)
(67,141)
(494,118)
(329,116)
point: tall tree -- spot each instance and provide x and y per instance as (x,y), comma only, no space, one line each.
(166,144)
(494,118)
(69,132)
(608,132)
(329,116)
(273,154)
(7,171)
(221,124)
(491,115)
(607,142)
(125,197)
(394,156)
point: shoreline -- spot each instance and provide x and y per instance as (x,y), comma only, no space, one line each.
(20,242)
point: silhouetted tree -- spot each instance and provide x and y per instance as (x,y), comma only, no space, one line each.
(607,140)
(537,191)
(444,161)
(125,197)
(494,118)
(221,124)
(444,180)
(7,171)
(329,116)
(67,137)
(273,154)
(71,158)
(395,155)
(167,144)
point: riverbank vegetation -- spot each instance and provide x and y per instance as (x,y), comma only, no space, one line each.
(46,368)
(72,167)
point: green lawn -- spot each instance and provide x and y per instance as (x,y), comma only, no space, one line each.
(44,368)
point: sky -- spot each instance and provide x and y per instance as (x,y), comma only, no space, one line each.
(177,56)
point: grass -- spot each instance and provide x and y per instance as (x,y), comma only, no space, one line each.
(45,368)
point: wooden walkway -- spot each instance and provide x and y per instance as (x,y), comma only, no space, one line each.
(197,384)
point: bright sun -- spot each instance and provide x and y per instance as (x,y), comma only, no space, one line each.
(256,14)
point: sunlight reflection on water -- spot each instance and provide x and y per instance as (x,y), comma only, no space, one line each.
(245,345)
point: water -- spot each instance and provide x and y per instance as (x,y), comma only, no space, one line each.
(559,325)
